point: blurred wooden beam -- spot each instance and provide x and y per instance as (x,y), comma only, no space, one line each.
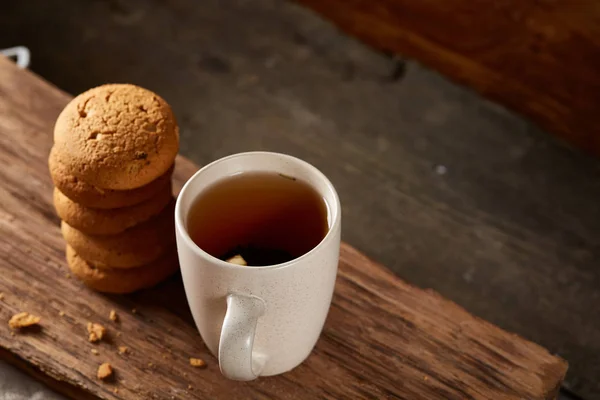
(538,57)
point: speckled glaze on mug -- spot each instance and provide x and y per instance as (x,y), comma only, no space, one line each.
(259,321)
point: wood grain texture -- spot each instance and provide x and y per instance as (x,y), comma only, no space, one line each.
(540,58)
(383,338)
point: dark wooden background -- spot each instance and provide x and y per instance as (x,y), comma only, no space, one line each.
(540,57)
(450,191)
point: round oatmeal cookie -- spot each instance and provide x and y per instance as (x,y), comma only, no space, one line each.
(95,221)
(117,136)
(91,196)
(131,248)
(122,280)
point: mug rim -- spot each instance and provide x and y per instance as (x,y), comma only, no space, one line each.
(336,212)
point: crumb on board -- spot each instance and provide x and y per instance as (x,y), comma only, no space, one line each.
(164,356)
(189,387)
(123,350)
(23,320)
(61,313)
(115,390)
(68,276)
(1,296)
(95,352)
(118,334)
(185,374)
(237,260)
(12,333)
(197,362)
(133,311)
(150,365)
(96,332)
(113,316)
(104,371)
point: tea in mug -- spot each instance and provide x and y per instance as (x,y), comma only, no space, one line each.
(264,217)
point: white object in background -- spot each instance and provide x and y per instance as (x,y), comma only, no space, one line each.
(15,385)
(259,321)
(21,54)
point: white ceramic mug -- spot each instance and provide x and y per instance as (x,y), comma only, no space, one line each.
(259,321)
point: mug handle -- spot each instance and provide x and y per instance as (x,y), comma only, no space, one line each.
(236,360)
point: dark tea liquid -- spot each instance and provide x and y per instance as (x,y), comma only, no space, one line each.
(267,218)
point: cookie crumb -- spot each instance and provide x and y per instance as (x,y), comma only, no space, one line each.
(123,350)
(197,363)
(189,387)
(1,296)
(104,371)
(185,374)
(12,333)
(237,260)
(115,390)
(95,352)
(61,313)
(133,311)
(68,276)
(118,334)
(164,356)
(96,332)
(23,320)
(113,316)
(150,365)
(169,330)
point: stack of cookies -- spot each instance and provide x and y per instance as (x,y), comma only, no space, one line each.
(111,163)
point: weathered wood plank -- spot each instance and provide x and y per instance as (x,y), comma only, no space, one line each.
(540,58)
(383,338)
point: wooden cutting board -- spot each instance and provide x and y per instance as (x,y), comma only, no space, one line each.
(383,338)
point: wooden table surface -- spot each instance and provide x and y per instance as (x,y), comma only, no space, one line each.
(448,190)
(540,58)
(383,338)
